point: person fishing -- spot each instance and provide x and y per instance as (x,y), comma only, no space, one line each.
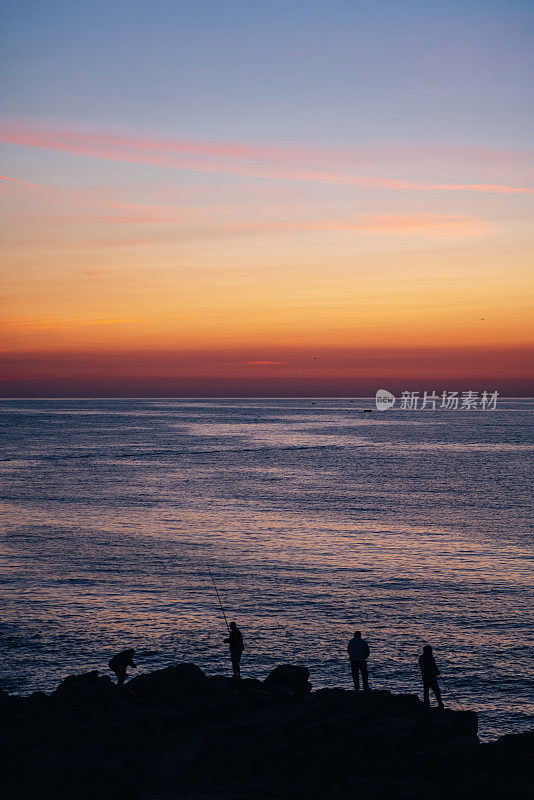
(358,651)
(235,640)
(429,674)
(119,664)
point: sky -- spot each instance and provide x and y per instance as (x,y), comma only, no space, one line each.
(267,199)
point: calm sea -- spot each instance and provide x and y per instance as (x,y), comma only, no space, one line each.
(314,517)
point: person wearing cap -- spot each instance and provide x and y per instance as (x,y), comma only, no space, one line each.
(430,674)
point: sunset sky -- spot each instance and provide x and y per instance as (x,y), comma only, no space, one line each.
(266,198)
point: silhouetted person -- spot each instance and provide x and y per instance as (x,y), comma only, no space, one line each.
(119,664)
(235,641)
(358,651)
(429,674)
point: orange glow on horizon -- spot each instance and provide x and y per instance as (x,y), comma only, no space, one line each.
(252,256)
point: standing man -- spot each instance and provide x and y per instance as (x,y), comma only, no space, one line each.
(235,640)
(430,674)
(119,663)
(358,651)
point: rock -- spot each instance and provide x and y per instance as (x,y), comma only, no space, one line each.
(515,743)
(290,677)
(80,778)
(165,685)
(84,685)
(176,733)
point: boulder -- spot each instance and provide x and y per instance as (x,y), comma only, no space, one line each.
(518,743)
(85,685)
(164,685)
(290,677)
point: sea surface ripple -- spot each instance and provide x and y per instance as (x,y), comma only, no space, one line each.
(314,517)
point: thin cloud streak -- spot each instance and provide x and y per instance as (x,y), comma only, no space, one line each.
(196,225)
(63,323)
(236,159)
(17,181)
(431,224)
(203,220)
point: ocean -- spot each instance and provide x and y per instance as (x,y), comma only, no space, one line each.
(314,518)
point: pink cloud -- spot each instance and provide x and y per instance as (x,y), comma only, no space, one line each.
(215,220)
(224,158)
(425,224)
(494,188)
(198,224)
(15,180)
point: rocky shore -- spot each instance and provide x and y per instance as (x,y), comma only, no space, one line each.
(177,733)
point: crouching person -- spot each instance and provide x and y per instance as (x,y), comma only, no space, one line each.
(120,663)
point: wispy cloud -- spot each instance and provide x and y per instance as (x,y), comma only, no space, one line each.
(269,162)
(431,224)
(173,224)
(16,181)
(490,188)
(62,323)
(217,220)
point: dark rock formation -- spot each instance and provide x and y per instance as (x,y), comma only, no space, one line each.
(84,686)
(170,685)
(176,733)
(296,679)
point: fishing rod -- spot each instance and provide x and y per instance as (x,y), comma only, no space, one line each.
(219,599)
(450,690)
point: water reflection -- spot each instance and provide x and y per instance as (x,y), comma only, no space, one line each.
(312,519)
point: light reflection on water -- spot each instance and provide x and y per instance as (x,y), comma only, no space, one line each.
(314,517)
